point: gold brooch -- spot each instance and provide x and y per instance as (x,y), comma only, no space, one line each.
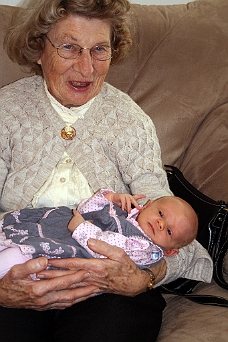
(68,133)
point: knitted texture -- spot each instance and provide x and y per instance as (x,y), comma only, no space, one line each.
(116,146)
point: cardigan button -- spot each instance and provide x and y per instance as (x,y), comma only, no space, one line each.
(68,161)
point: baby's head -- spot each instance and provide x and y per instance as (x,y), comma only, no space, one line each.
(170,222)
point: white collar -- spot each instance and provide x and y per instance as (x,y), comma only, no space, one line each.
(68,114)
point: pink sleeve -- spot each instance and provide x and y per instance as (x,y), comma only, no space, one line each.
(10,256)
(140,250)
(94,203)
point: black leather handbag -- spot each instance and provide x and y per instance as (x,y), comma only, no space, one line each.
(212,234)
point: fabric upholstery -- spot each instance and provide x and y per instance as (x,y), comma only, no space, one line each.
(177,71)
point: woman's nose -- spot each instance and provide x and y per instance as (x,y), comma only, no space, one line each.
(84,63)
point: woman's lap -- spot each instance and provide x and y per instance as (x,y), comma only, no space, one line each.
(19,325)
(102,318)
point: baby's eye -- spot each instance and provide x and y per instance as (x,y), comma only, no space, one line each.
(160,213)
(169,232)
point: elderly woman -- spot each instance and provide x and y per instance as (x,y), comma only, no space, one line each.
(65,134)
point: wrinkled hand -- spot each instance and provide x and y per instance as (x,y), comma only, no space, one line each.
(117,274)
(18,290)
(124,201)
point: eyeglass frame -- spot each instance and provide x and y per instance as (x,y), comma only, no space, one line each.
(80,50)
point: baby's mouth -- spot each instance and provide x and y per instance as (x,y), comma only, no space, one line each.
(151,227)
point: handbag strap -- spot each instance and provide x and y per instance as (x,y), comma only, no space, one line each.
(202,299)
(208,300)
(220,251)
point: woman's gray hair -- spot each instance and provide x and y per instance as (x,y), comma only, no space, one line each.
(25,38)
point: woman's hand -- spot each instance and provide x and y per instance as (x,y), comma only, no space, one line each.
(116,274)
(18,290)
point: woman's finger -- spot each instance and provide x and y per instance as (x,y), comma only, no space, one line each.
(30,267)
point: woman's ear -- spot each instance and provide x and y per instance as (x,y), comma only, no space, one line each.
(171,252)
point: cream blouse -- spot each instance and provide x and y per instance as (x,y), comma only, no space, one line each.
(66,185)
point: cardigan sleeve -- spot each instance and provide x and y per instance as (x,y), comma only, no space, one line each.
(192,262)
(3,175)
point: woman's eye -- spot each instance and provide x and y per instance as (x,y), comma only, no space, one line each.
(99,48)
(67,47)
(160,213)
(169,232)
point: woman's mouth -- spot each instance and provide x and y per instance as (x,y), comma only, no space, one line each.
(80,84)
(80,87)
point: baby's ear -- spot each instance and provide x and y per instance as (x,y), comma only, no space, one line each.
(171,252)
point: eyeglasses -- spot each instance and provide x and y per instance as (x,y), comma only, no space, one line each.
(73,51)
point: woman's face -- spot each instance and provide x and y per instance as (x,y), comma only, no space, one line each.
(73,82)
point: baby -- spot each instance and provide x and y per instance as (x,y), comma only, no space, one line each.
(146,233)
(168,223)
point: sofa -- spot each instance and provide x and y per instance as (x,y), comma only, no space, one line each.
(177,71)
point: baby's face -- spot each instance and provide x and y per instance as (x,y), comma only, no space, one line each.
(169,222)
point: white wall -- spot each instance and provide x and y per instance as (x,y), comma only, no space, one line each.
(159,2)
(146,2)
(9,2)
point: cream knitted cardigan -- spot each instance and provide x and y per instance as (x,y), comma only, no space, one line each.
(116,148)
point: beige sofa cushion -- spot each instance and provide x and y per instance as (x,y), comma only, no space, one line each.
(185,321)
(177,72)
(9,71)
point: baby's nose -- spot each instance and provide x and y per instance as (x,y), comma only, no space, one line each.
(161,224)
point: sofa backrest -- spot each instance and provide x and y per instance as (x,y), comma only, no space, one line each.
(9,71)
(177,71)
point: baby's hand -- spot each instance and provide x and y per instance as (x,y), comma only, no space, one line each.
(124,201)
(76,220)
